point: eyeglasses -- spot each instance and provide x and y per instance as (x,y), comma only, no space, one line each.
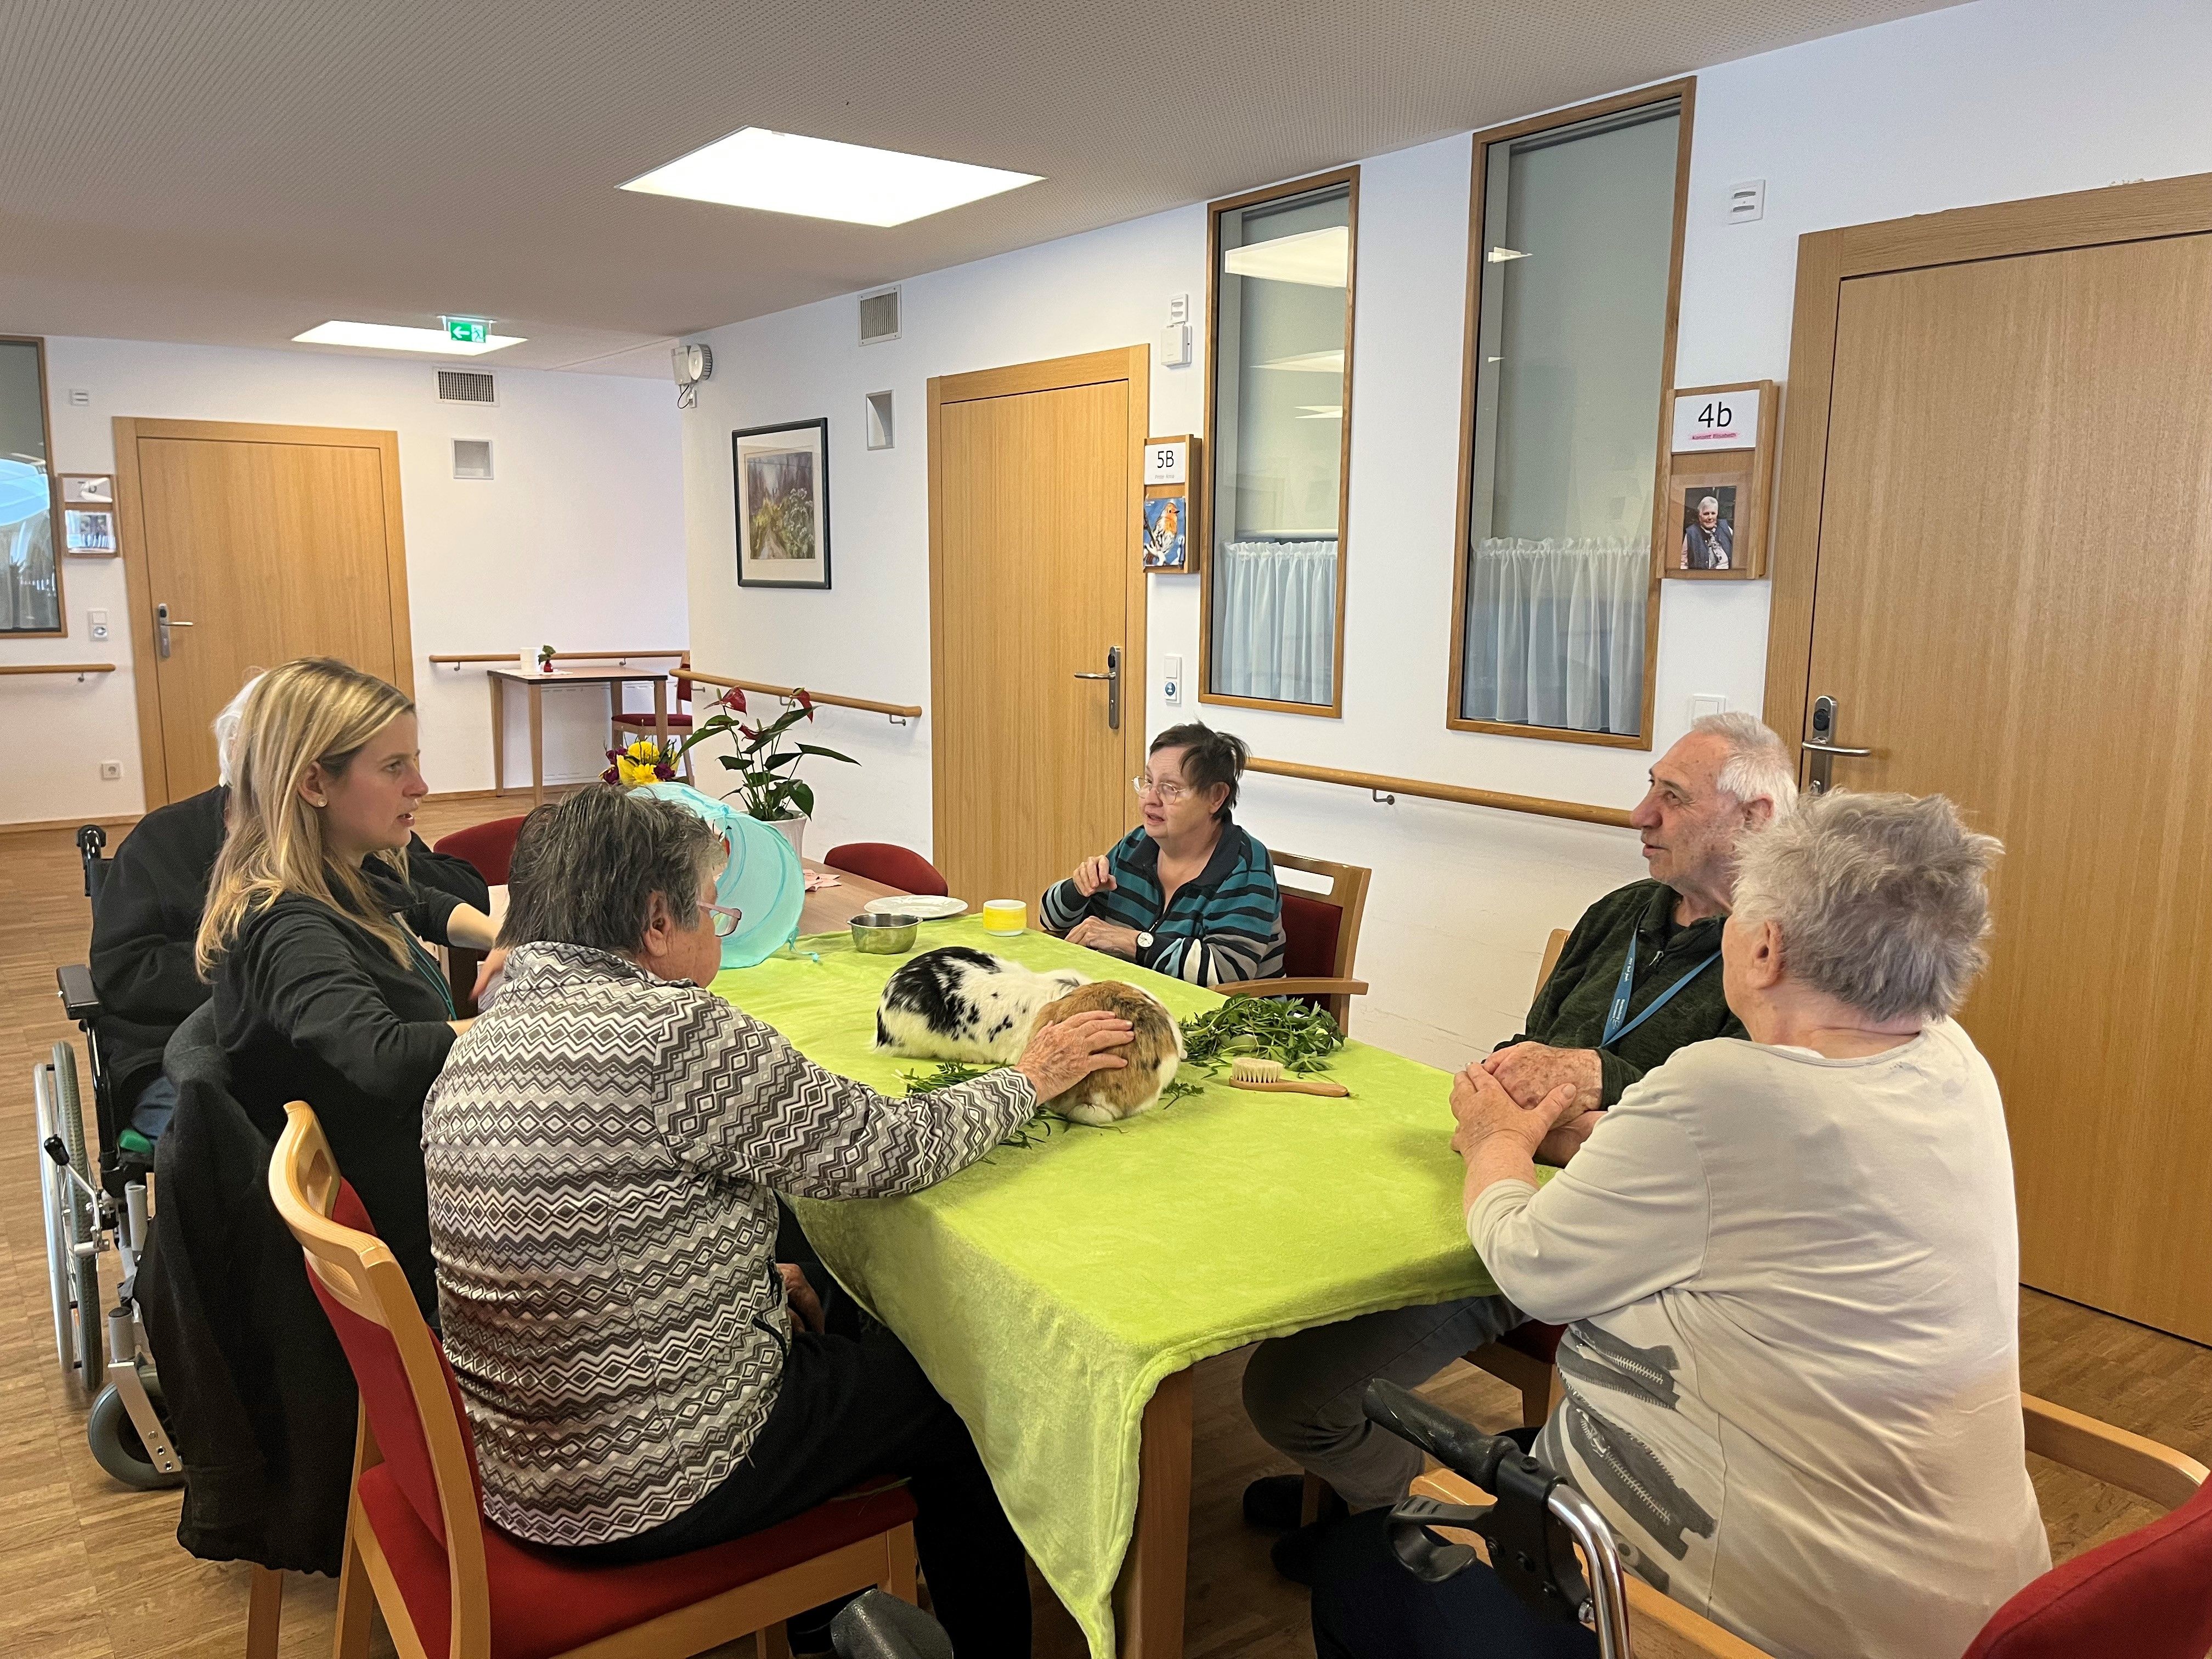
(723,918)
(1169,793)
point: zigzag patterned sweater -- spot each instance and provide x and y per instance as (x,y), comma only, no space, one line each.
(604,1149)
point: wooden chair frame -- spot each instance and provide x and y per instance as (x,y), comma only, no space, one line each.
(1348,892)
(2155,1472)
(361,1274)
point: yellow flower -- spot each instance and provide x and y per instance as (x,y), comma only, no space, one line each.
(634,773)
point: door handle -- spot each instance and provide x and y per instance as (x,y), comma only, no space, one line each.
(1819,745)
(163,621)
(1113,678)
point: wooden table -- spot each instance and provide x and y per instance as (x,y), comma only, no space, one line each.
(612,678)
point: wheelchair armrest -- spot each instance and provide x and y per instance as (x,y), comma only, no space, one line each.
(79,1001)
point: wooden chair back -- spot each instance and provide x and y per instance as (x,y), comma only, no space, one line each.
(1321,938)
(1553,946)
(410,1413)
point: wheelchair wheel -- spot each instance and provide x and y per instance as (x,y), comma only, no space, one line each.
(114,1439)
(71,1222)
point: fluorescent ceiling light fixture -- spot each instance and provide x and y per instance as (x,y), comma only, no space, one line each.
(1498,256)
(1318,258)
(1313,363)
(390,336)
(822,179)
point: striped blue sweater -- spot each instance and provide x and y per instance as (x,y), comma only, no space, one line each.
(1224,924)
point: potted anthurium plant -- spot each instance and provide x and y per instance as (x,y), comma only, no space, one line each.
(766,760)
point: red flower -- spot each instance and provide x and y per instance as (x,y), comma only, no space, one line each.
(608,776)
(751,735)
(805,702)
(733,700)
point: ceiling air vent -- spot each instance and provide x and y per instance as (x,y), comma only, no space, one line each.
(879,316)
(472,458)
(465,385)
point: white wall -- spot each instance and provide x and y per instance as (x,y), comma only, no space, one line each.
(577,541)
(1988,101)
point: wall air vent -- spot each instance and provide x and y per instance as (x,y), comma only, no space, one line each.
(472,458)
(466,385)
(879,316)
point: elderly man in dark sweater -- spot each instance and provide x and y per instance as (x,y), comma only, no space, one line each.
(1638,978)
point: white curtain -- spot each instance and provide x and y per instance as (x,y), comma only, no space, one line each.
(1555,632)
(30,596)
(1274,620)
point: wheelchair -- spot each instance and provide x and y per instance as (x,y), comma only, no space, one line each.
(105,1353)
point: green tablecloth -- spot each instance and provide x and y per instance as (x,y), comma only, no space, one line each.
(1047,1290)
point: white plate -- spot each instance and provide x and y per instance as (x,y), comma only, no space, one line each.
(920,906)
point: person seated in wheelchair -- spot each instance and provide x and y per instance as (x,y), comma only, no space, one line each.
(322,991)
(1791,1379)
(146,924)
(605,1148)
(1638,979)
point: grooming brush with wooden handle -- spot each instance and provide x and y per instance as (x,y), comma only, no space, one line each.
(1267,1075)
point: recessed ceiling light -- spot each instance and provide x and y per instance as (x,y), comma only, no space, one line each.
(1319,259)
(390,336)
(822,179)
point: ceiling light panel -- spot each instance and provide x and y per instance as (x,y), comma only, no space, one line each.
(390,336)
(822,179)
(1318,258)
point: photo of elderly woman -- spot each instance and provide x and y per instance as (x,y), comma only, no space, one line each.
(1709,529)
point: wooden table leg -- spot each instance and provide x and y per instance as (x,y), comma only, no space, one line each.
(536,744)
(661,711)
(1149,1598)
(498,734)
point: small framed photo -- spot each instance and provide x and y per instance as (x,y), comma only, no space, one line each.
(1167,534)
(782,494)
(1717,479)
(88,488)
(88,531)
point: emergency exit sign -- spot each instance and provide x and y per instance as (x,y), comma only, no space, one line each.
(467,331)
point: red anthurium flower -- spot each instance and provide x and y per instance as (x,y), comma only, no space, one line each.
(805,702)
(751,735)
(733,699)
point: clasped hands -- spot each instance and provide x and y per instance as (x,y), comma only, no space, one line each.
(1095,932)
(1548,1098)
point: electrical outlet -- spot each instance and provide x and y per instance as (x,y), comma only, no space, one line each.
(111,771)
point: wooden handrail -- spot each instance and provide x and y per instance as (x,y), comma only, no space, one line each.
(1579,812)
(614,656)
(896,711)
(479,656)
(79,669)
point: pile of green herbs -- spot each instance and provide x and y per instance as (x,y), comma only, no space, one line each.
(1298,1035)
(951,1073)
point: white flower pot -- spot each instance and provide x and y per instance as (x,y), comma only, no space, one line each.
(793,830)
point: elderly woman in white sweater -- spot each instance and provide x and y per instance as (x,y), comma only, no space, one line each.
(1788,1268)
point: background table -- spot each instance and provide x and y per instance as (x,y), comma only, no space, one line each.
(613,678)
(1057,1294)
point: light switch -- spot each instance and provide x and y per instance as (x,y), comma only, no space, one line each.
(1708,703)
(1171,679)
(97,621)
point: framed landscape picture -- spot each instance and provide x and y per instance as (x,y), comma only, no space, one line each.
(782,479)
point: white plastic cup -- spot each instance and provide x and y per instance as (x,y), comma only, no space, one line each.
(1007,916)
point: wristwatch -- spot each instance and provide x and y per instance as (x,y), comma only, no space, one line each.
(1144,941)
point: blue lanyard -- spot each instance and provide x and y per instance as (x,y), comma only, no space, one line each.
(1613,1027)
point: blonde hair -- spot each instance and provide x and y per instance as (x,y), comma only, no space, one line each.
(315,710)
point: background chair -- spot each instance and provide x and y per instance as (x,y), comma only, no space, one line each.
(887,862)
(629,725)
(1320,939)
(449,1583)
(490,847)
(2147,1595)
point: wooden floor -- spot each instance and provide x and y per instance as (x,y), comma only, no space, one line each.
(88,1570)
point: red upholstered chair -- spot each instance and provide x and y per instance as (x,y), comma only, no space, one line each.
(889,863)
(490,846)
(449,1583)
(1321,938)
(2148,1595)
(629,726)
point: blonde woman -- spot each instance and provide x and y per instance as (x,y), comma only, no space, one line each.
(323,993)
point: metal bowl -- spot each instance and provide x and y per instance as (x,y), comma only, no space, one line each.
(884,933)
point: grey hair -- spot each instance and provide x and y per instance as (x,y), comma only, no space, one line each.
(1758,765)
(226,728)
(586,867)
(1882,900)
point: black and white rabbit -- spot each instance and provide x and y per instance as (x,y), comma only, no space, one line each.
(966,1004)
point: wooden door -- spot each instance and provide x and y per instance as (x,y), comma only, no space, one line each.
(1034,539)
(2015,607)
(271,542)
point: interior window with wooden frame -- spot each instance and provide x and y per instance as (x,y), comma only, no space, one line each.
(1574,276)
(1279,436)
(31,531)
